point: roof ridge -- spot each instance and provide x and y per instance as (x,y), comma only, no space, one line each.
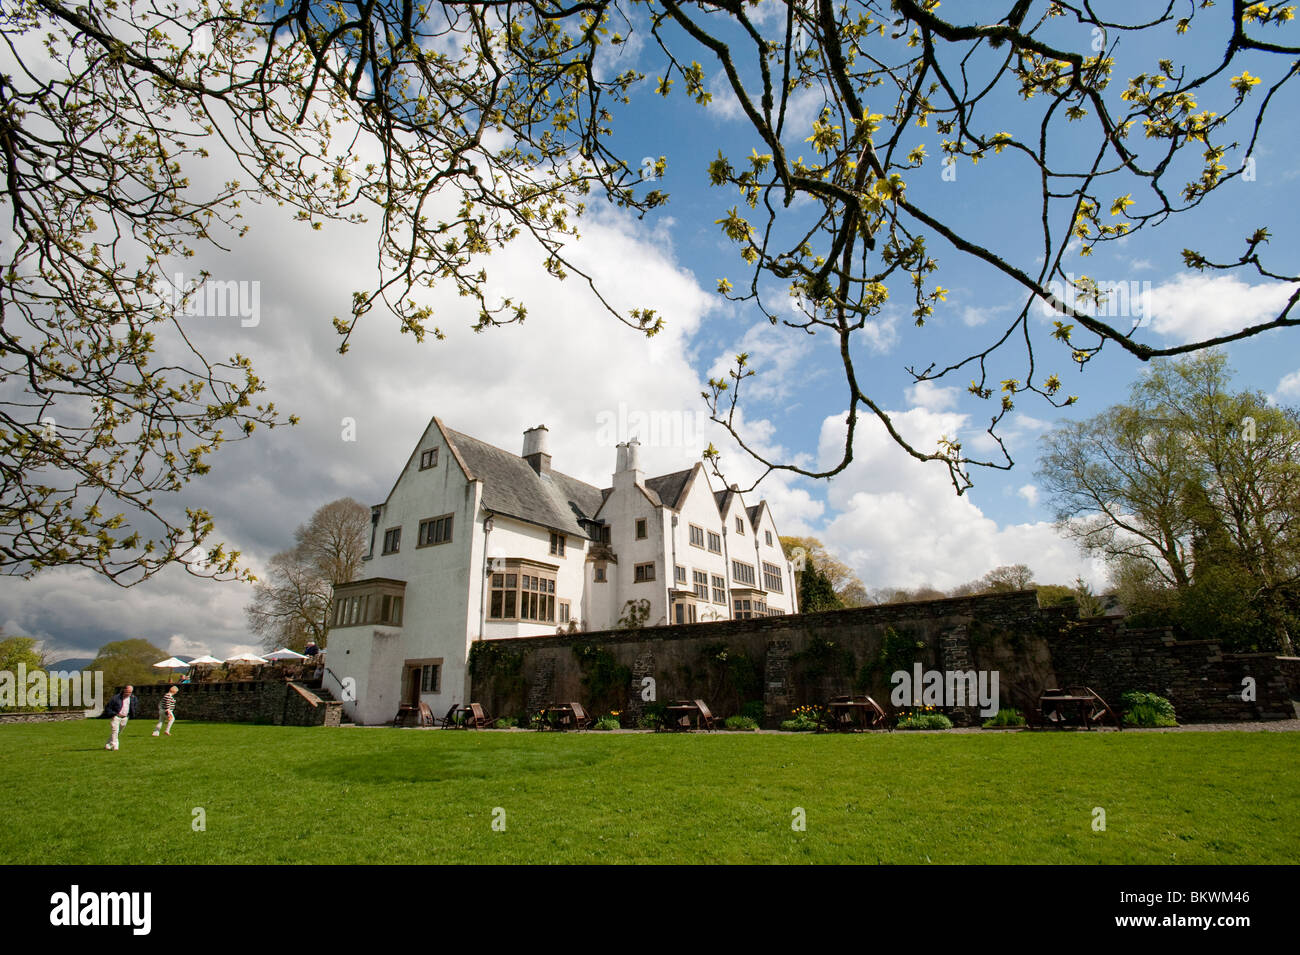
(487,444)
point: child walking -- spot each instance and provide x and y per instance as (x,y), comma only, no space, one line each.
(166,712)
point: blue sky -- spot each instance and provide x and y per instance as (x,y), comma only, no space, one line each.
(573,368)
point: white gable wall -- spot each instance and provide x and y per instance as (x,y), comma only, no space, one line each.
(436,604)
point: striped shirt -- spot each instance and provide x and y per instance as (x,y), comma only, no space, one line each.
(167,703)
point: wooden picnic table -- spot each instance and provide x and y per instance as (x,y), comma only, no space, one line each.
(682,715)
(850,713)
(1076,706)
(562,716)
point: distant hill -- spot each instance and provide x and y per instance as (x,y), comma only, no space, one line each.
(71,663)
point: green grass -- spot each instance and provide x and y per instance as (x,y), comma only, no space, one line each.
(287,794)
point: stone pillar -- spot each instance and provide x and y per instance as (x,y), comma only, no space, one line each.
(543,687)
(776,684)
(955,655)
(642,667)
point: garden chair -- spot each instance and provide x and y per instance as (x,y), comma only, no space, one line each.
(426,715)
(706,717)
(581,718)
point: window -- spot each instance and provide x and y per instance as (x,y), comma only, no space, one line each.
(740,525)
(375,601)
(436,530)
(392,540)
(523,591)
(644,573)
(431,678)
(701,580)
(719,589)
(428,459)
(742,573)
(599,574)
(684,612)
(771,577)
(640,529)
(715,542)
(557,545)
(564,611)
(746,608)
(697,536)
(767,536)
(679,574)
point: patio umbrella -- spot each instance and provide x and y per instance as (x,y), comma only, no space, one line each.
(171,663)
(204,661)
(246,658)
(284,653)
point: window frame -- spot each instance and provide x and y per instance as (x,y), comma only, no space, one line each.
(422,540)
(535,584)
(642,529)
(740,578)
(397,540)
(692,529)
(713,536)
(558,543)
(638,577)
(716,590)
(773,575)
(429,455)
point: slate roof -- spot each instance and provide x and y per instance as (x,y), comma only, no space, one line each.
(669,487)
(513,488)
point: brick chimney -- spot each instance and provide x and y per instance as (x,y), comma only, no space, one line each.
(537,449)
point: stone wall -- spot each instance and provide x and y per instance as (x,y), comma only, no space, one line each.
(1204,683)
(44,716)
(786,662)
(278,703)
(783,662)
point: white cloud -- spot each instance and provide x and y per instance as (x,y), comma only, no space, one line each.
(1289,386)
(932,397)
(898,521)
(1030,493)
(1193,307)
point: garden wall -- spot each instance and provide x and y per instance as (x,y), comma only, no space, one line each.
(279,703)
(42,716)
(1204,683)
(780,663)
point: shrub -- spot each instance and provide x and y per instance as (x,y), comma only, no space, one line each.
(651,716)
(607,722)
(754,710)
(1147,709)
(805,719)
(740,723)
(925,721)
(1007,716)
(506,722)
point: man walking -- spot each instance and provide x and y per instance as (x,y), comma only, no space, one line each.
(166,712)
(120,708)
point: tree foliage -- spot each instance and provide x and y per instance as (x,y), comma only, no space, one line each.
(128,661)
(1193,488)
(460,128)
(291,606)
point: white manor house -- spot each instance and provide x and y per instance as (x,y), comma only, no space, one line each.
(476,543)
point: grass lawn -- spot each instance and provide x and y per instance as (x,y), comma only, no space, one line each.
(289,794)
